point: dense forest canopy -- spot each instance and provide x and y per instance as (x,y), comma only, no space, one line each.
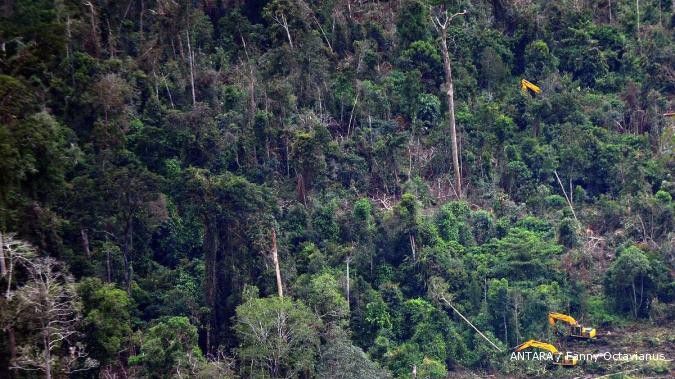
(303,188)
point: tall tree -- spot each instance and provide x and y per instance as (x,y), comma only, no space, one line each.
(441,20)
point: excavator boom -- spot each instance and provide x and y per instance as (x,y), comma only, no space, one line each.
(539,344)
(525,85)
(553,316)
(560,359)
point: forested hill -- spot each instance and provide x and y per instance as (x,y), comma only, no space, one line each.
(159,159)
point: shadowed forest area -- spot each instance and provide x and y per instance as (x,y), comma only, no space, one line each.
(334,189)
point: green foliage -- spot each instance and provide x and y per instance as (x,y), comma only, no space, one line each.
(323,294)
(540,61)
(567,233)
(632,282)
(342,360)
(412,23)
(169,348)
(523,255)
(279,331)
(107,317)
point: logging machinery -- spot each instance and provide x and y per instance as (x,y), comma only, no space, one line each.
(576,330)
(558,358)
(527,85)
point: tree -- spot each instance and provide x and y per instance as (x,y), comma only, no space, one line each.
(441,23)
(342,360)
(285,14)
(278,337)
(47,303)
(107,317)
(632,282)
(411,24)
(540,61)
(325,297)
(169,349)
(15,254)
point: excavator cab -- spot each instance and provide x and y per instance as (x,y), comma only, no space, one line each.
(576,330)
(583,332)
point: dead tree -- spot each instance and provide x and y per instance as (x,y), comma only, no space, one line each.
(441,23)
(275,259)
(280,18)
(48,300)
(191,57)
(3,266)
(14,253)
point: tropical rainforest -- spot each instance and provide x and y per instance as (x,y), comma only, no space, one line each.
(331,189)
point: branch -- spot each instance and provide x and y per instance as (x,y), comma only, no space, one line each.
(444,25)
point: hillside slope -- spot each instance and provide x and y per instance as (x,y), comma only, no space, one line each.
(174,166)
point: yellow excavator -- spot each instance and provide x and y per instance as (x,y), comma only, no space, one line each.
(525,85)
(558,357)
(576,330)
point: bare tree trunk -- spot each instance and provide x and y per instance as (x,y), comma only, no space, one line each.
(192,74)
(351,114)
(155,82)
(166,85)
(3,266)
(451,110)
(469,322)
(12,343)
(516,317)
(275,258)
(288,32)
(281,19)
(4,273)
(610,11)
(568,198)
(442,26)
(127,250)
(140,24)
(85,242)
(634,299)
(68,37)
(47,353)
(506,330)
(210,256)
(108,265)
(94,32)
(111,40)
(348,260)
(637,18)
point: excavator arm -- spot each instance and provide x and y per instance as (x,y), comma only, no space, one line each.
(539,344)
(560,359)
(525,85)
(553,317)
